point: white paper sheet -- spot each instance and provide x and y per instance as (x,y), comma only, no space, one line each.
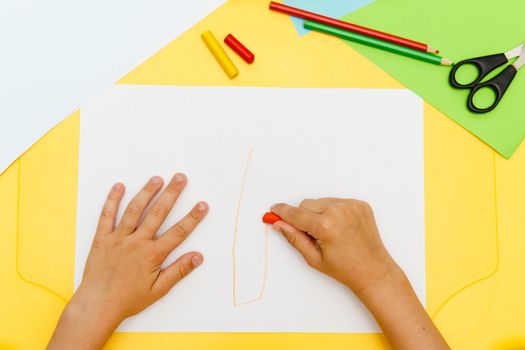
(365,144)
(57,53)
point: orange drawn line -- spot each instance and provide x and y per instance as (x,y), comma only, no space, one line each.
(234,245)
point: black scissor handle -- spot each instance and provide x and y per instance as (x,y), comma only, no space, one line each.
(500,83)
(485,65)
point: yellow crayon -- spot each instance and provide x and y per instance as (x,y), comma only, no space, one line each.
(221,56)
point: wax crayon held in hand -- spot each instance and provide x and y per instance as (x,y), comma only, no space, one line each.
(270,218)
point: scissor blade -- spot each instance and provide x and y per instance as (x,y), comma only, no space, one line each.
(515,52)
(521,59)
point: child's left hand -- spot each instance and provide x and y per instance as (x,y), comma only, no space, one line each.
(123,274)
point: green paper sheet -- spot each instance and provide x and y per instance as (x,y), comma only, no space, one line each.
(461,29)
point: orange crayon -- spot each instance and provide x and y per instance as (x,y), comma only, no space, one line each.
(270,218)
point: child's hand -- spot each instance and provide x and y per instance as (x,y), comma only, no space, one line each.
(123,267)
(338,237)
(123,274)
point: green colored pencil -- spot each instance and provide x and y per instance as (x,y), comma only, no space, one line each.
(379,44)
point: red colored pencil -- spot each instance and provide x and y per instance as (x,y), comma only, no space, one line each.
(293,11)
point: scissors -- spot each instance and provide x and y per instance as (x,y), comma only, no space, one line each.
(485,65)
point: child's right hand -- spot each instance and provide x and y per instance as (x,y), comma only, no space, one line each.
(338,237)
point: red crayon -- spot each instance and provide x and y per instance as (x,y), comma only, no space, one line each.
(270,218)
(239,48)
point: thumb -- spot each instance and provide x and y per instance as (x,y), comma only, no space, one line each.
(301,241)
(175,272)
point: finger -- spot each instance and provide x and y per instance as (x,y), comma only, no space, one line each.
(136,206)
(301,218)
(321,204)
(172,238)
(162,207)
(332,199)
(174,273)
(315,205)
(301,241)
(106,222)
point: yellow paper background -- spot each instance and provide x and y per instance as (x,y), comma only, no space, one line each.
(474,217)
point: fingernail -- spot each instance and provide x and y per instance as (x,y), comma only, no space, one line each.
(196,260)
(272,208)
(201,206)
(156,180)
(117,187)
(179,178)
